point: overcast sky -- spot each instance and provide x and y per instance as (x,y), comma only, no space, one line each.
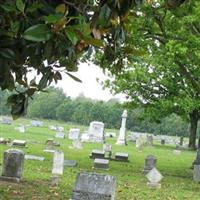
(89,86)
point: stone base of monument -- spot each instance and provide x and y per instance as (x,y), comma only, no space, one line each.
(94,186)
(122,157)
(154,185)
(10,179)
(97,154)
(101,164)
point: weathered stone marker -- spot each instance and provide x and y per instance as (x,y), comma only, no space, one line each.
(196,173)
(101,163)
(121,156)
(197,160)
(150,162)
(58,163)
(97,153)
(13,163)
(92,186)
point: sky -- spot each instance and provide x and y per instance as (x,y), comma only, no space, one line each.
(88,73)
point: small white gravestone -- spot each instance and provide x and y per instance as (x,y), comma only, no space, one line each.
(177,152)
(85,137)
(76,144)
(53,128)
(139,143)
(36,123)
(96,131)
(154,177)
(74,133)
(108,149)
(6,120)
(60,135)
(58,163)
(20,128)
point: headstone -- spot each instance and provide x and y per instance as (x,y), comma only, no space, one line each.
(150,140)
(96,131)
(49,144)
(196,173)
(6,120)
(122,133)
(181,140)
(139,143)
(33,157)
(100,163)
(36,123)
(21,143)
(58,163)
(76,144)
(108,149)
(154,177)
(197,160)
(150,163)
(121,156)
(177,152)
(20,128)
(60,135)
(60,129)
(70,163)
(97,153)
(13,162)
(163,141)
(74,133)
(85,137)
(92,186)
(53,128)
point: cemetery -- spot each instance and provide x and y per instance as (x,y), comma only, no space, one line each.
(46,170)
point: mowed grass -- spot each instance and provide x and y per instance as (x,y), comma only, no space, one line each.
(131,183)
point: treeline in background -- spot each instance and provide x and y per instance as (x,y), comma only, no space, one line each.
(55,105)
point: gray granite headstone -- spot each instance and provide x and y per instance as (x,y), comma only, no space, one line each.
(196,173)
(101,163)
(92,186)
(163,141)
(98,153)
(121,156)
(13,162)
(150,162)
(70,163)
(150,140)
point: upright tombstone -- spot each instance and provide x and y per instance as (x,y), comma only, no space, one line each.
(93,186)
(150,163)
(58,163)
(154,177)
(36,123)
(74,133)
(108,149)
(6,120)
(162,141)
(150,140)
(96,131)
(181,140)
(13,163)
(60,135)
(196,173)
(139,143)
(122,133)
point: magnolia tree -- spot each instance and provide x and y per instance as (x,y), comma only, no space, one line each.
(166,78)
(50,36)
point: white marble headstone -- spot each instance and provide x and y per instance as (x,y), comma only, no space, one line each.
(154,177)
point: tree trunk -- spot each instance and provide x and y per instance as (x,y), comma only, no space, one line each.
(193,129)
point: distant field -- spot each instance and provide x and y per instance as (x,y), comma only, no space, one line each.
(131,183)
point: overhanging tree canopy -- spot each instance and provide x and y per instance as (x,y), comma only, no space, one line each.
(59,32)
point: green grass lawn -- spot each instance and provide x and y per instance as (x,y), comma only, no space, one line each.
(131,183)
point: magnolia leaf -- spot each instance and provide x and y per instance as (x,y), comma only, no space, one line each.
(20,5)
(93,41)
(38,33)
(74,77)
(72,36)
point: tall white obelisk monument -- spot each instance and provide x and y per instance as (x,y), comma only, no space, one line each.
(122,133)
